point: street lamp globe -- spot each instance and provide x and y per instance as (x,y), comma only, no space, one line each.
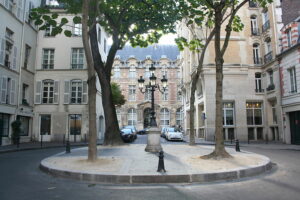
(164,82)
(152,80)
(152,69)
(141,82)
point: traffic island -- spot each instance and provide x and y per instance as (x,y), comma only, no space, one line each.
(132,165)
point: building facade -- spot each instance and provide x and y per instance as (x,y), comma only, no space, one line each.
(251,95)
(131,63)
(44,77)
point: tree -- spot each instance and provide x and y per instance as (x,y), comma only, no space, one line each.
(219,12)
(124,20)
(117,96)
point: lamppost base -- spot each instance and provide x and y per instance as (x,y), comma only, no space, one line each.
(153,140)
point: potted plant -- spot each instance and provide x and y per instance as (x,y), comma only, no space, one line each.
(16,130)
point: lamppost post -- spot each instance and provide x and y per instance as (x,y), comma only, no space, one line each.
(153,139)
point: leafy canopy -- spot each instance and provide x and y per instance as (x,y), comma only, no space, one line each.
(117,96)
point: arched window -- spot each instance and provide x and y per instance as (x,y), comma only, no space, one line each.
(164,117)
(48,91)
(254,25)
(132,72)
(131,116)
(268,50)
(256,54)
(258,82)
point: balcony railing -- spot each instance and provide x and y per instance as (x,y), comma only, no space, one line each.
(270,87)
(255,31)
(252,4)
(266,26)
(268,57)
(259,90)
(257,61)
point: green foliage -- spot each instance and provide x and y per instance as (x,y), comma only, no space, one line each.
(193,45)
(117,96)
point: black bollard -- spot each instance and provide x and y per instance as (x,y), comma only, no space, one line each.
(161,164)
(41,141)
(68,147)
(237,145)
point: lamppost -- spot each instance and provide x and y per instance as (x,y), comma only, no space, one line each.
(153,141)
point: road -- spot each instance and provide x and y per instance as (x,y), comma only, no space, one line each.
(21,179)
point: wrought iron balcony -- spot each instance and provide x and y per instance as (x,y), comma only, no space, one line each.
(266,26)
(252,4)
(270,87)
(255,31)
(259,90)
(268,57)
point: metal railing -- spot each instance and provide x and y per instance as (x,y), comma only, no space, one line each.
(252,4)
(268,57)
(257,61)
(255,31)
(270,87)
(266,26)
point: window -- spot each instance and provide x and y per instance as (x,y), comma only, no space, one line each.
(178,74)
(117,73)
(252,4)
(165,95)
(258,86)
(132,116)
(148,94)
(8,54)
(27,55)
(293,81)
(119,117)
(75,124)
(256,54)
(24,125)
(254,25)
(271,79)
(254,113)
(132,72)
(164,117)
(77,58)
(179,93)
(289,37)
(268,50)
(8,90)
(9,34)
(25,94)
(131,93)
(147,71)
(48,31)
(179,116)
(76,91)
(266,21)
(99,35)
(4,124)
(77,30)
(164,71)
(45,128)
(274,113)
(228,114)
(8,50)
(48,59)
(48,91)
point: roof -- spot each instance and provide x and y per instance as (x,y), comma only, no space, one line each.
(155,51)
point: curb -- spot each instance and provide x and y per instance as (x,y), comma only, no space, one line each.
(180,178)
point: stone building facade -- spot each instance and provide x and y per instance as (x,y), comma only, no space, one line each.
(131,63)
(251,92)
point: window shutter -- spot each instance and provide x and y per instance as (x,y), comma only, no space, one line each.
(14,61)
(3,89)
(84,92)
(38,91)
(2,51)
(67,92)
(13,92)
(56,90)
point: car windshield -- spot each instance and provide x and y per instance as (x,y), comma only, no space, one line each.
(171,130)
(126,131)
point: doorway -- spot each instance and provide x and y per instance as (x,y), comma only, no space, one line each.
(295,127)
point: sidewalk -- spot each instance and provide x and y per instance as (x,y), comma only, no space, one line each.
(276,145)
(38,145)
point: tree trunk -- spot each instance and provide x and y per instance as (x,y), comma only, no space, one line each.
(92,90)
(219,151)
(112,132)
(192,110)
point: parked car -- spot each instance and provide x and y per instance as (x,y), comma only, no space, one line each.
(163,132)
(173,134)
(127,135)
(143,131)
(133,129)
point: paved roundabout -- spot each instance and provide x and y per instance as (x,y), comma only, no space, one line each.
(131,164)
